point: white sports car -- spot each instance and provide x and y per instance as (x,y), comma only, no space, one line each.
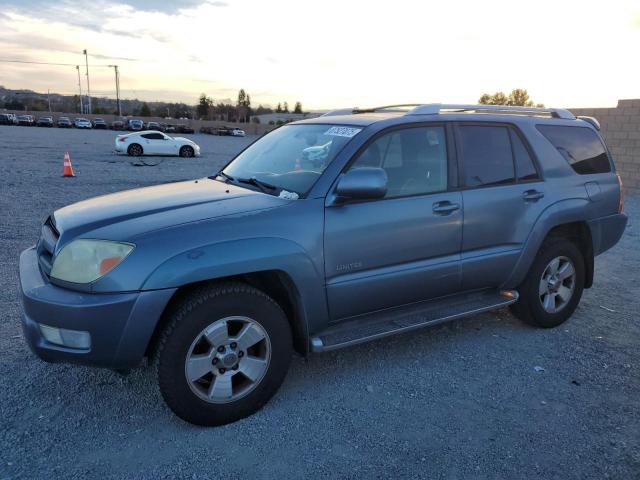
(151,142)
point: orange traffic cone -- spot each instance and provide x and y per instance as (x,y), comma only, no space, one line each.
(68,169)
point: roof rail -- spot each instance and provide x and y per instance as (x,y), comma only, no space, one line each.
(341,111)
(436,108)
(355,110)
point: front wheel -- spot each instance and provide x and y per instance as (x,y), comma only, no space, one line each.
(553,287)
(224,353)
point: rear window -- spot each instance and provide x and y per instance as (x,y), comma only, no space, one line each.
(580,146)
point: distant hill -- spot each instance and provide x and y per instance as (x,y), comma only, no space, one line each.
(23,99)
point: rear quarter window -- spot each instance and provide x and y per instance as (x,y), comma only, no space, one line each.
(581,147)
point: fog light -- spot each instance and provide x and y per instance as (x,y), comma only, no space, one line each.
(66,338)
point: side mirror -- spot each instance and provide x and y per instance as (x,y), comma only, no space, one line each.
(364,183)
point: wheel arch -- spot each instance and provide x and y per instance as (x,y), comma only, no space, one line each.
(564,219)
(277,284)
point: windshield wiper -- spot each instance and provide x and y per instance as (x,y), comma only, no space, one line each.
(222,174)
(263,186)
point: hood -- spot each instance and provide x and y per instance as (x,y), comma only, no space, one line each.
(123,215)
(183,139)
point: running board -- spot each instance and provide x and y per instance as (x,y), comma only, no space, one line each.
(364,328)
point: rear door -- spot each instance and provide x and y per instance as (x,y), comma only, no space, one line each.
(404,247)
(503,195)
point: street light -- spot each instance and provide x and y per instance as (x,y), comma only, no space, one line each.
(86,58)
(115,68)
(80,89)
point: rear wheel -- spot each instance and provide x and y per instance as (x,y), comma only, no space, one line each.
(186,151)
(224,353)
(134,150)
(553,287)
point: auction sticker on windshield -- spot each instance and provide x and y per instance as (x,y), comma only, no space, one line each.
(342,131)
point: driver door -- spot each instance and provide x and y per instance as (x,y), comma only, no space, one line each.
(405,247)
(155,143)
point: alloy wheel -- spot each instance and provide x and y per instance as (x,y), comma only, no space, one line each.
(228,359)
(557,284)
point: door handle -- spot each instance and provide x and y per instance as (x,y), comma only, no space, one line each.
(445,207)
(532,195)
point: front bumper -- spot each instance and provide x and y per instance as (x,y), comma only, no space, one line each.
(120,324)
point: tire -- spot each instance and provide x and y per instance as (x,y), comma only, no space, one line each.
(187,151)
(135,150)
(547,301)
(217,308)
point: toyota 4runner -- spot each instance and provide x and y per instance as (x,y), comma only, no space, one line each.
(322,234)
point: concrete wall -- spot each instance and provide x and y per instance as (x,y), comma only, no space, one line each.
(621,131)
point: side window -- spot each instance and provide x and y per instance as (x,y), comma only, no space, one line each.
(415,160)
(153,136)
(580,146)
(525,169)
(486,155)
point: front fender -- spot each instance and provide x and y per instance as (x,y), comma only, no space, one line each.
(238,257)
(565,211)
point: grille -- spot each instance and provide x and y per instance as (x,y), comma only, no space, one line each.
(46,246)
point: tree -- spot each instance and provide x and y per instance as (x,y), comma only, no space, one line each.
(518,97)
(204,104)
(279,108)
(285,109)
(297,108)
(145,111)
(242,98)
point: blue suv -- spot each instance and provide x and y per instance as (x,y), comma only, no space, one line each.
(322,234)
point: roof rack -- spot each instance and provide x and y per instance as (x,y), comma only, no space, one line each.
(436,108)
(401,107)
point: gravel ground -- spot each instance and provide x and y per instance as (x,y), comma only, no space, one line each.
(462,400)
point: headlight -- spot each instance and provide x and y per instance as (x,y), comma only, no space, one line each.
(84,261)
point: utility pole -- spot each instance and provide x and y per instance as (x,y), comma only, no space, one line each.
(86,59)
(80,89)
(49,99)
(115,68)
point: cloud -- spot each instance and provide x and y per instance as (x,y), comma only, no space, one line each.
(169,8)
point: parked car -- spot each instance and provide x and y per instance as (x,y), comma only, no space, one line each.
(184,129)
(237,132)
(134,125)
(154,126)
(45,122)
(99,123)
(222,278)
(207,130)
(168,128)
(151,142)
(7,119)
(223,131)
(117,125)
(64,122)
(82,123)
(26,120)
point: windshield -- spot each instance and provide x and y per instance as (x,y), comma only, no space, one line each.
(291,157)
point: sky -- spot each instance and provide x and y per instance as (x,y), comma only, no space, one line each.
(328,53)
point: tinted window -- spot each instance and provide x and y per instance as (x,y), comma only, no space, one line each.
(153,136)
(525,169)
(486,153)
(580,146)
(415,160)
